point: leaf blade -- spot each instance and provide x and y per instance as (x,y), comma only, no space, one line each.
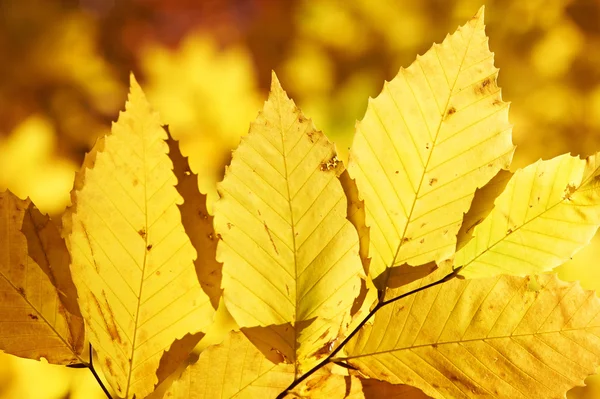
(489,337)
(132,261)
(290,257)
(548,211)
(421,150)
(32,306)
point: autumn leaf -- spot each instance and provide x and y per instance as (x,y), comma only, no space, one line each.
(500,337)
(336,386)
(37,318)
(248,374)
(132,263)
(547,212)
(437,132)
(290,257)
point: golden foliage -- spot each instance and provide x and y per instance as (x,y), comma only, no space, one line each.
(353,284)
(125,235)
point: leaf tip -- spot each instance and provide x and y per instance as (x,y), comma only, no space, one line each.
(480,14)
(275,84)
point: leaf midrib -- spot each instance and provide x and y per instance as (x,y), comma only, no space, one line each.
(433,145)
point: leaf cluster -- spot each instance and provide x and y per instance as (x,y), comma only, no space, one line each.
(414,272)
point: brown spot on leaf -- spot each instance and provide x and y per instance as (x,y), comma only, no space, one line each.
(109,318)
(569,190)
(135,182)
(311,134)
(21,291)
(324,350)
(142,232)
(108,363)
(330,164)
(427,145)
(270,237)
(432,181)
(149,247)
(422,241)
(158,272)
(229,225)
(32,316)
(451,111)
(486,86)
(404,240)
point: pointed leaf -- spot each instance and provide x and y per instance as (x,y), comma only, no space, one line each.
(438,131)
(133,264)
(548,211)
(34,322)
(290,256)
(499,337)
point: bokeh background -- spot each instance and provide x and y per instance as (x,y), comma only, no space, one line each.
(206,64)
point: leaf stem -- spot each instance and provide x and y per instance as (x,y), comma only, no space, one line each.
(379,305)
(98,379)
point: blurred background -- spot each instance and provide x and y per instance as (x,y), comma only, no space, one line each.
(205,66)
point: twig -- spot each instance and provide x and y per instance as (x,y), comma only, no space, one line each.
(93,370)
(379,305)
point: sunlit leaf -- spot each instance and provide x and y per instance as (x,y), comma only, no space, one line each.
(547,212)
(437,132)
(233,369)
(506,337)
(290,257)
(133,264)
(34,320)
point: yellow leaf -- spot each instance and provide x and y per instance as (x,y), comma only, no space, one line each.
(132,263)
(233,369)
(437,132)
(332,386)
(502,337)
(548,211)
(34,322)
(290,257)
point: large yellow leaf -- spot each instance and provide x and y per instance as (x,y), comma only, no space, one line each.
(290,257)
(37,319)
(437,132)
(132,263)
(497,337)
(548,211)
(232,369)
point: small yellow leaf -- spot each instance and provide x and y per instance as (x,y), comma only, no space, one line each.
(547,212)
(132,262)
(34,322)
(437,132)
(499,337)
(290,257)
(232,369)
